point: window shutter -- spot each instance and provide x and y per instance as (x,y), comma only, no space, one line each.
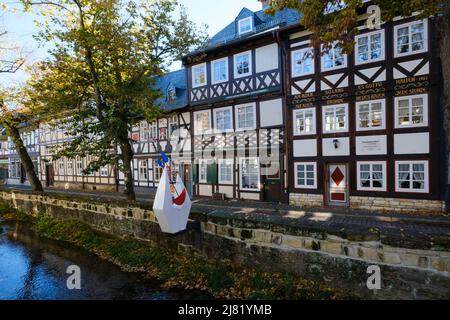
(195,173)
(212,173)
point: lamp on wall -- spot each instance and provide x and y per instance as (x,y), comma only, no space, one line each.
(336,143)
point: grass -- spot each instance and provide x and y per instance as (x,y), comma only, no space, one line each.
(219,278)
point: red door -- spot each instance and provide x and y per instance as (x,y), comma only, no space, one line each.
(337,185)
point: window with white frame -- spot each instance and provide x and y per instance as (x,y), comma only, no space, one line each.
(369,47)
(153,128)
(302,62)
(412,176)
(410,38)
(334,58)
(223,119)
(220,71)
(69,167)
(335,118)
(245,25)
(173,125)
(372,176)
(246,117)
(143,170)
(203,171)
(79,167)
(370,115)
(202,122)
(304,121)
(225,171)
(199,75)
(411,111)
(62,169)
(249,173)
(144,131)
(157,172)
(243,64)
(104,171)
(306,175)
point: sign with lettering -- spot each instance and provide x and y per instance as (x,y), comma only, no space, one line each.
(371,145)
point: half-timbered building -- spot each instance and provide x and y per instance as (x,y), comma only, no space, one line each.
(66,173)
(236,96)
(170,133)
(365,129)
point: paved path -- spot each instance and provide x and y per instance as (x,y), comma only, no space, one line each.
(409,230)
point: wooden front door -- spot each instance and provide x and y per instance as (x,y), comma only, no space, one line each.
(273,187)
(187,177)
(50,175)
(337,185)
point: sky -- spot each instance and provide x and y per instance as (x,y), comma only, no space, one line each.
(21,27)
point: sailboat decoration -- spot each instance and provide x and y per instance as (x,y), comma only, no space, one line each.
(172,203)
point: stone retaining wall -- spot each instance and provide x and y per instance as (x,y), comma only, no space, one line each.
(406,273)
(375,204)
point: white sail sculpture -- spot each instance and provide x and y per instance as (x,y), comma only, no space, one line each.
(172,203)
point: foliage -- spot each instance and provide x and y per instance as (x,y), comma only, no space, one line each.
(101,75)
(220,278)
(337,20)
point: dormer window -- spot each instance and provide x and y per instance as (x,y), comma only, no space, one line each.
(171,93)
(245,25)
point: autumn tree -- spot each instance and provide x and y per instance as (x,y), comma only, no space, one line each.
(337,20)
(100,77)
(12,116)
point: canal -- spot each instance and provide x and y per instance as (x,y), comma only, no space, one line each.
(35,268)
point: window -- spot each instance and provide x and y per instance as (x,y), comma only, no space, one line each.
(69,167)
(225,170)
(411,111)
(144,131)
(143,170)
(334,58)
(369,47)
(157,172)
(302,62)
(249,168)
(203,171)
(410,38)
(173,125)
(372,176)
(335,118)
(243,64)
(79,167)
(305,121)
(104,171)
(61,168)
(202,122)
(153,129)
(220,71)
(412,176)
(246,117)
(305,175)
(162,133)
(171,93)
(245,25)
(370,115)
(223,119)
(199,75)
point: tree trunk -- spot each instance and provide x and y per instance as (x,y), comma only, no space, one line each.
(27,163)
(127,156)
(444,28)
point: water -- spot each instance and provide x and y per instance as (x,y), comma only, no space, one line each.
(35,268)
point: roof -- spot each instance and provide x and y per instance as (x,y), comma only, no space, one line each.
(172,82)
(262,22)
